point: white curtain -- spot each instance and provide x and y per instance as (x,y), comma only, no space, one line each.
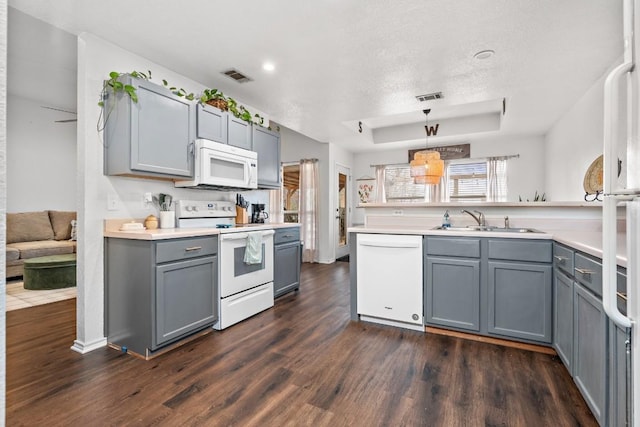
(380,196)
(496,179)
(276,207)
(308,209)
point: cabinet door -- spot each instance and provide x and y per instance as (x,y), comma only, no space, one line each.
(152,137)
(286,268)
(185,298)
(589,349)
(211,123)
(563,318)
(452,295)
(519,303)
(618,375)
(267,145)
(240,134)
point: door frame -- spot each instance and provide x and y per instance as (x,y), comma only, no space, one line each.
(338,169)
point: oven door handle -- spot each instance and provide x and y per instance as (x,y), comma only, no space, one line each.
(241,236)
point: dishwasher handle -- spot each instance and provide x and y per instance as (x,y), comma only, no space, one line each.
(388,244)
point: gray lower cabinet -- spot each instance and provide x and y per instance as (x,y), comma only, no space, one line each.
(590,350)
(286,261)
(519,300)
(563,318)
(211,123)
(158,292)
(452,296)
(150,138)
(267,144)
(617,375)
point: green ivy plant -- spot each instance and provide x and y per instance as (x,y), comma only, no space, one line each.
(114,86)
(179,91)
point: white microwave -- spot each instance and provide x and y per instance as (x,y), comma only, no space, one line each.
(221,166)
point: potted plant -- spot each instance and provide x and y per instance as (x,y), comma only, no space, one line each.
(215,98)
(113,86)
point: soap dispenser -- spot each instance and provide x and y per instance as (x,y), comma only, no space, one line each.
(446,223)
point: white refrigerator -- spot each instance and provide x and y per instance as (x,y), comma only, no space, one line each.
(622,196)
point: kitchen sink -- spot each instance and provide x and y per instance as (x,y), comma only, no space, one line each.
(488,228)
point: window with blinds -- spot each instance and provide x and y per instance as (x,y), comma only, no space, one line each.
(399,186)
(467,181)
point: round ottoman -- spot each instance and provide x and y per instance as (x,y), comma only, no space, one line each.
(50,272)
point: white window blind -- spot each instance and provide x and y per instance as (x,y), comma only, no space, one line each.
(467,181)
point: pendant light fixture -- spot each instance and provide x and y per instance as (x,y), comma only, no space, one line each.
(426,166)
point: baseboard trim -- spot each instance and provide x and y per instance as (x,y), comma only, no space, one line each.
(490,340)
(82,348)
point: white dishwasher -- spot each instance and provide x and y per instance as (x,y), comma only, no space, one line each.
(389,279)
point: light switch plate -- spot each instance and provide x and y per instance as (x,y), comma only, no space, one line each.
(113,203)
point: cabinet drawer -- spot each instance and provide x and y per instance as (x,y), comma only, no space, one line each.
(588,272)
(285,235)
(172,250)
(563,258)
(458,247)
(520,250)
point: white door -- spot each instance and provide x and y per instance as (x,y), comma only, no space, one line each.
(342,198)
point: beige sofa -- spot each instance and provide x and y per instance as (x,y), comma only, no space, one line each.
(36,234)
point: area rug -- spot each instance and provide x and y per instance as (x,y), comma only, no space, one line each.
(17,297)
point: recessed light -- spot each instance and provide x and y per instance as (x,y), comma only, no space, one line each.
(268,66)
(484,54)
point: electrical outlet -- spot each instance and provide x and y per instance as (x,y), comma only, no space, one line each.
(112,203)
(147,199)
(398,212)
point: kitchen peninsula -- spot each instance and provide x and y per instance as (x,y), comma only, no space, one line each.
(537,282)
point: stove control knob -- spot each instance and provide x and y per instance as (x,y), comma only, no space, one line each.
(187,208)
(194,208)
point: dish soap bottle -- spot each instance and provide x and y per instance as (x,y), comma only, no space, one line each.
(446,223)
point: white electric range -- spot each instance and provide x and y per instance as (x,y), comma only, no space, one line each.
(243,289)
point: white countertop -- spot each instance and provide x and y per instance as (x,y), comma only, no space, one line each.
(112,230)
(589,242)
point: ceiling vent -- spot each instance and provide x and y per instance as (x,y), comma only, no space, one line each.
(430,96)
(236,75)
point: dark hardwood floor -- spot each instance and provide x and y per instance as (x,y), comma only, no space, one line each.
(301,363)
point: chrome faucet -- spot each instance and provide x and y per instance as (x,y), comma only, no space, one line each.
(479,218)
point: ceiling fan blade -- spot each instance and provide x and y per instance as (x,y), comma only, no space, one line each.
(65,121)
(58,109)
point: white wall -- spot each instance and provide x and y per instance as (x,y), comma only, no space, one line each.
(525,175)
(42,172)
(296,146)
(96,58)
(573,142)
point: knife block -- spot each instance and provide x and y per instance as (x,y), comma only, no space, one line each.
(241,215)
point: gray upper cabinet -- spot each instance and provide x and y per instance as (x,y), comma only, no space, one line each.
(589,350)
(211,123)
(519,300)
(267,144)
(563,318)
(452,296)
(150,138)
(240,134)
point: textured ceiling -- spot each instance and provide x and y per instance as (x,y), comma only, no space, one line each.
(343,61)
